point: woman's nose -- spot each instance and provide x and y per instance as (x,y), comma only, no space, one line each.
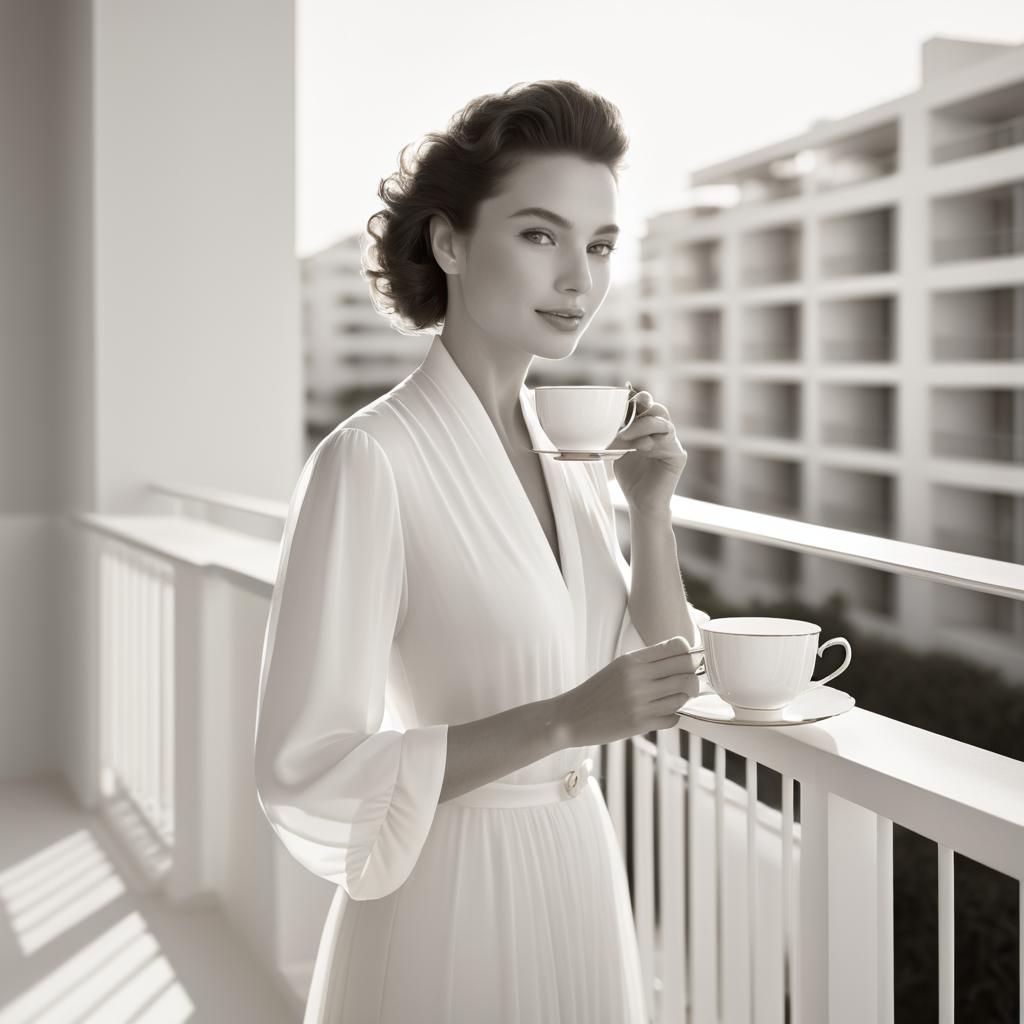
(576,275)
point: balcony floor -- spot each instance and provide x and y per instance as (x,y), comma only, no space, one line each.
(81,941)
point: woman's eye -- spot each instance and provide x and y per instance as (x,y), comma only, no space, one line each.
(606,245)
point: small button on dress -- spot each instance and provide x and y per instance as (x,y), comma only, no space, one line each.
(416,589)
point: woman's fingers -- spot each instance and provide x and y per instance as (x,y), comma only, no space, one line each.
(646,426)
(679,664)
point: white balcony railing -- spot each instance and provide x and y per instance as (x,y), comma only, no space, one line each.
(180,614)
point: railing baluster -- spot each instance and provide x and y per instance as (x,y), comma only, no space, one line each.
(789,980)
(123,627)
(719,877)
(703,937)
(108,641)
(643,849)
(149,678)
(752,884)
(812,954)
(615,789)
(946,950)
(670,878)
(886,984)
(167,708)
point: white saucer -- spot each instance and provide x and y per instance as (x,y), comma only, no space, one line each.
(573,456)
(813,706)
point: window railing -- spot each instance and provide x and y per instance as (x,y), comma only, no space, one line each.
(870,348)
(977,346)
(762,500)
(782,427)
(1001,445)
(873,260)
(861,435)
(869,169)
(777,351)
(775,271)
(996,136)
(863,520)
(978,245)
(973,543)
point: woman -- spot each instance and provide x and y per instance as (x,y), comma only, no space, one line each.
(431,561)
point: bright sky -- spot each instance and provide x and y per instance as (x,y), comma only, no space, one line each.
(695,84)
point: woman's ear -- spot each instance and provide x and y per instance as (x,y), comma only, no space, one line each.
(444,244)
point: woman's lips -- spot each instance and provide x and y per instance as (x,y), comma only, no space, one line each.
(563,323)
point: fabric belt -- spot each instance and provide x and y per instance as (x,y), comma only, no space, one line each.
(528,794)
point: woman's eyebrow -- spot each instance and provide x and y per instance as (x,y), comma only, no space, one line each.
(539,211)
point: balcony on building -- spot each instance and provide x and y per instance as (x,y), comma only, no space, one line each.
(699,336)
(978,324)
(772,255)
(771,409)
(774,179)
(854,159)
(702,476)
(976,618)
(858,329)
(985,224)
(868,590)
(700,552)
(766,181)
(979,522)
(767,572)
(978,423)
(857,500)
(772,332)
(696,266)
(770,485)
(859,243)
(699,403)
(859,416)
(979,124)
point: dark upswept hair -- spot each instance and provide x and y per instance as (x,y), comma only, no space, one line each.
(451,172)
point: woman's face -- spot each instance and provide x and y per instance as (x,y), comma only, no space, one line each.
(514,264)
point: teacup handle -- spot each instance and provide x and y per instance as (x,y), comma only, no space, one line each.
(842,668)
(631,402)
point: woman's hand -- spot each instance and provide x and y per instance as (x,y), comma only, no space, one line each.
(636,693)
(648,476)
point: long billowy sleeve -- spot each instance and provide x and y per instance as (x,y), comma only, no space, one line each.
(351,802)
(628,638)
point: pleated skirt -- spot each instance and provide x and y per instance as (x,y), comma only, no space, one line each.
(511,915)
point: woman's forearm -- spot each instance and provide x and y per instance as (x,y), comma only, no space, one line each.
(657,597)
(489,748)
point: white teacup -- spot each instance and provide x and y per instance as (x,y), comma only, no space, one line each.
(583,417)
(761,664)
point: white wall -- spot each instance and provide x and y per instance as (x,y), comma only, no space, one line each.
(149,308)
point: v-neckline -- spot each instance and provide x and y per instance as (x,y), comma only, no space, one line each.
(440,360)
(549,492)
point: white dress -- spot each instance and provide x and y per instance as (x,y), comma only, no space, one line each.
(416,588)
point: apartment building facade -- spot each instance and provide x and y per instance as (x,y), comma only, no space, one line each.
(843,343)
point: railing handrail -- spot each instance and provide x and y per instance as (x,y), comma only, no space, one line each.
(230,500)
(970,572)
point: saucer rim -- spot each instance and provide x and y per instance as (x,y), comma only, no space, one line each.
(581,451)
(769,721)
